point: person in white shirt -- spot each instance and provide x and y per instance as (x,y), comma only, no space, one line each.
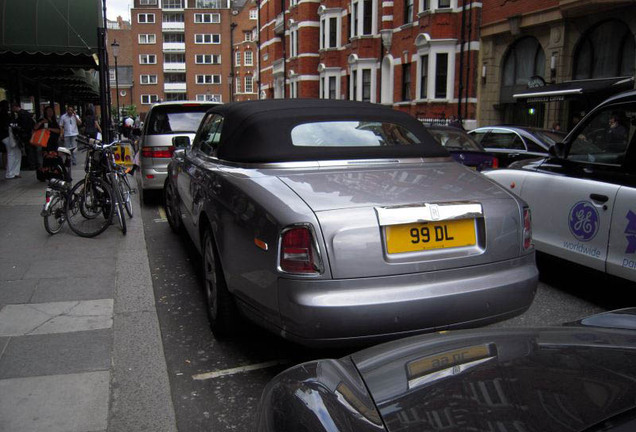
(70,123)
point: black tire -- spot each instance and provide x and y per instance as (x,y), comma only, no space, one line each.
(222,312)
(54,221)
(126,192)
(171,205)
(119,206)
(96,199)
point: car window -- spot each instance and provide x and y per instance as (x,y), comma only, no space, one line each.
(501,139)
(210,134)
(454,139)
(605,136)
(478,136)
(175,119)
(351,134)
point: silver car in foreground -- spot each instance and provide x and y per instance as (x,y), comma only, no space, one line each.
(330,222)
(164,122)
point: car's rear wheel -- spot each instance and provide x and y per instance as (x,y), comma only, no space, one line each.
(171,205)
(221,309)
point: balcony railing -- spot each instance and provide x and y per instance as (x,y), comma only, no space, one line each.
(173,26)
(174,46)
(174,67)
(174,87)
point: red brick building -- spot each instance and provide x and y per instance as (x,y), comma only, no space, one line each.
(182,50)
(546,61)
(412,55)
(245,53)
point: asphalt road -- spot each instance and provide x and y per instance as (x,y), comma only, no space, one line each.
(216,385)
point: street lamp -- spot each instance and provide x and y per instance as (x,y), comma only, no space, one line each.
(115,47)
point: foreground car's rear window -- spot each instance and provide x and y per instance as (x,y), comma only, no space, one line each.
(175,119)
(351,134)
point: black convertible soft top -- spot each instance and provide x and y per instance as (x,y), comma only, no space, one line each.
(260,131)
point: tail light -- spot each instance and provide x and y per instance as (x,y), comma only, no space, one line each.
(298,251)
(157,152)
(495,162)
(527,229)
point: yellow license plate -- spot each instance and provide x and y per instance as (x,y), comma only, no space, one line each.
(430,235)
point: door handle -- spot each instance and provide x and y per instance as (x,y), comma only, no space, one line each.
(599,198)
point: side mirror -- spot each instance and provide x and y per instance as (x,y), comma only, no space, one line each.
(557,150)
(181,142)
(179,153)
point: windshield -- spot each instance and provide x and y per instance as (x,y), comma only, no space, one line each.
(175,119)
(351,134)
(455,139)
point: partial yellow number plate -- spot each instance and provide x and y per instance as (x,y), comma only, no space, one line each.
(430,235)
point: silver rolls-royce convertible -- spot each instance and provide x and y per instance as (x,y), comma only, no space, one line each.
(332,222)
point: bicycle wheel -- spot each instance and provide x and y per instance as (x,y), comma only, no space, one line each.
(119,202)
(126,192)
(94,197)
(56,216)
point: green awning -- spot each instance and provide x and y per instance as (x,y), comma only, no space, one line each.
(50,26)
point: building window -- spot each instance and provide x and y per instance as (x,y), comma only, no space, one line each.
(525,59)
(331,90)
(354,85)
(237,58)
(173,97)
(363,17)
(148,79)
(174,78)
(174,37)
(147,39)
(408,11)
(366,85)
(293,33)
(406,82)
(174,58)
(146,18)
(424,76)
(207,18)
(208,97)
(212,4)
(207,38)
(443,4)
(605,51)
(111,75)
(253,14)
(172,4)
(330,30)
(172,17)
(293,88)
(425,5)
(207,59)
(147,2)
(238,85)
(147,99)
(247,36)
(249,84)
(147,59)
(208,79)
(441,76)
(248,58)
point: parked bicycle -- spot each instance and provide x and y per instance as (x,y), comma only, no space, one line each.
(91,202)
(57,192)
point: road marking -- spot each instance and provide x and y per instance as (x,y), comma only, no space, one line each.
(241,369)
(162,216)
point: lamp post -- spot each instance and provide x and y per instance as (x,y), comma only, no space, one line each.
(115,47)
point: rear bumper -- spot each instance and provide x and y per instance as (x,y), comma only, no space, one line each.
(156,180)
(338,312)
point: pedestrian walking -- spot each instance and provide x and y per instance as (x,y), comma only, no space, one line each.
(24,122)
(13,152)
(91,126)
(50,158)
(70,123)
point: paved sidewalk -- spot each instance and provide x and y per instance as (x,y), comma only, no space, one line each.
(80,345)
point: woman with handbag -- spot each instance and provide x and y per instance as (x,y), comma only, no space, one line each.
(50,158)
(14,154)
